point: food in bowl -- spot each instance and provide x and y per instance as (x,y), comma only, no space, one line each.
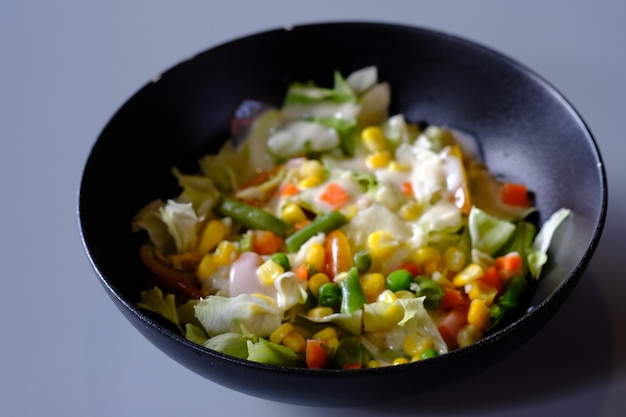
(329,234)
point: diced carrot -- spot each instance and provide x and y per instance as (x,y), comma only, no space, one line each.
(513,194)
(288,190)
(299,225)
(261,177)
(450,326)
(510,262)
(407,188)
(338,253)
(412,267)
(492,278)
(302,272)
(352,365)
(334,195)
(315,354)
(451,298)
(265,242)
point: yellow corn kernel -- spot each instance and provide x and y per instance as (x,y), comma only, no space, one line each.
(310,182)
(293,213)
(404,294)
(316,281)
(373,364)
(277,335)
(294,341)
(327,333)
(206,268)
(426,254)
(269,271)
(349,211)
(442,280)
(381,243)
(415,345)
(400,361)
(478,314)
(225,253)
(312,168)
(378,159)
(454,259)
(482,291)
(316,257)
(213,233)
(468,335)
(467,275)
(319,312)
(373,138)
(372,285)
(398,167)
(387,296)
(429,268)
(410,211)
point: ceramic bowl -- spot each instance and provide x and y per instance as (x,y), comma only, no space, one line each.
(527,131)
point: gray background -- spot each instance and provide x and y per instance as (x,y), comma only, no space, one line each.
(66,66)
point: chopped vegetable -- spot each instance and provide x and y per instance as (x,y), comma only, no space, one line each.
(329,234)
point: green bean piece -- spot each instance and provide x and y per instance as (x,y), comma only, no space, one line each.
(399,280)
(496,314)
(429,353)
(362,260)
(329,295)
(252,217)
(281,259)
(352,297)
(514,292)
(432,291)
(322,224)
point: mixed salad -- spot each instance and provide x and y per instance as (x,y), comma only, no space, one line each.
(330,234)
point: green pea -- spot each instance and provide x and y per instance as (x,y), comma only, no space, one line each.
(432,291)
(429,353)
(399,280)
(282,260)
(329,295)
(362,260)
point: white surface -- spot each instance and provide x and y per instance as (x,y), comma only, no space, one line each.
(66,66)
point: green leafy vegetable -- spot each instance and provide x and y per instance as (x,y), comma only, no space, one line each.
(164,305)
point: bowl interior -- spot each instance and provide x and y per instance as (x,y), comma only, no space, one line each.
(526,129)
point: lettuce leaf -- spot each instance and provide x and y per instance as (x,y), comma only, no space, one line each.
(258,314)
(149,219)
(182,223)
(197,190)
(154,300)
(234,344)
(489,233)
(539,255)
(270,353)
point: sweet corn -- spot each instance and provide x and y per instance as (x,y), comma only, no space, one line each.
(398,167)
(467,275)
(316,257)
(225,253)
(312,168)
(410,211)
(277,335)
(349,211)
(482,291)
(426,254)
(310,182)
(206,268)
(381,243)
(429,268)
(327,333)
(316,281)
(454,259)
(378,159)
(373,138)
(478,314)
(319,312)
(213,233)
(468,335)
(404,294)
(373,364)
(269,271)
(414,344)
(400,361)
(293,213)
(294,341)
(372,284)
(387,296)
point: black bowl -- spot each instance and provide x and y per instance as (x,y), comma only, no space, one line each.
(526,129)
